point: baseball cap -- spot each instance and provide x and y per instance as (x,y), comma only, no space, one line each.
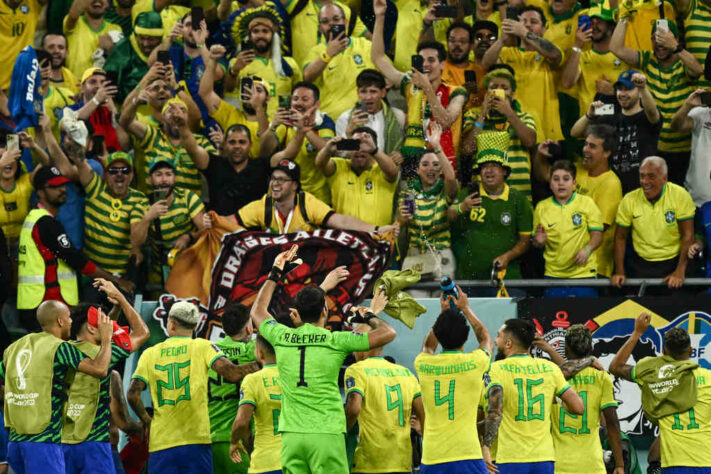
(48,177)
(92,71)
(290,168)
(157,163)
(120,335)
(625,79)
(185,311)
(119,156)
(597,10)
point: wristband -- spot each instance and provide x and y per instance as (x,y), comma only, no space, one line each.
(479,125)
(95,101)
(200,45)
(325,57)
(587,249)
(576,49)
(276,274)
(678,49)
(459,209)
(369,316)
(588,116)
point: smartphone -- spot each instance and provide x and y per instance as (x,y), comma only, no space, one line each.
(605,109)
(13,142)
(663,24)
(409,202)
(245,87)
(336,31)
(418,63)
(348,144)
(445,11)
(159,194)
(474,189)
(97,145)
(705,98)
(164,57)
(284,101)
(512,13)
(584,22)
(112,77)
(361,108)
(43,55)
(197,15)
(470,77)
(555,150)
(247,45)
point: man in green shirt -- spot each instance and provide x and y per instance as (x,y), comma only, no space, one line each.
(223,396)
(312,422)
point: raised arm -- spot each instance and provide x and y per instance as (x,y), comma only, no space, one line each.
(571,69)
(260,307)
(323,157)
(207,81)
(492,54)
(648,103)
(381,332)
(75,12)
(198,154)
(462,303)
(619,366)
(434,134)
(139,330)
(681,122)
(377,49)
(99,366)
(617,45)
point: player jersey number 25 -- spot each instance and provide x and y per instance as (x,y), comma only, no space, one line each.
(176,388)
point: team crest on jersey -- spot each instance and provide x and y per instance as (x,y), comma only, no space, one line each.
(617,62)
(358,59)
(241,394)
(538,57)
(369,185)
(568,29)
(577,219)
(669,216)
(506,218)
(25,9)
(310,148)
(350,382)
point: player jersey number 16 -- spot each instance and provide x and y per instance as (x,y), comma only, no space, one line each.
(527,402)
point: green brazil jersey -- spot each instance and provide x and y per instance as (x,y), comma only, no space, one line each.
(223,396)
(309,359)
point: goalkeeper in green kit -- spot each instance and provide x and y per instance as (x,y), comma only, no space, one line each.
(312,421)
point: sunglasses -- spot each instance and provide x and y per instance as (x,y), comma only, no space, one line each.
(125,170)
(481,36)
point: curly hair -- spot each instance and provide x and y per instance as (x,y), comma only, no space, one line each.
(578,340)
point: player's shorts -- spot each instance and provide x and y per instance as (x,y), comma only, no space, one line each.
(467,466)
(315,453)
(4,439)
(686,470)
(27,458)
(545,467)
(185,459)
(221,461)
(89,457)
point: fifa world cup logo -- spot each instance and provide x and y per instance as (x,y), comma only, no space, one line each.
(21,363)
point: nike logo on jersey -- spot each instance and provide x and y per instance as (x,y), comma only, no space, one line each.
(551,225)
(635,217)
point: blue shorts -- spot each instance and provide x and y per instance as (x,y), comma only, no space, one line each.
(3,440)
(190,458)
(118,463)
(686,470)
(25,457)
(468,466)
(545,467)
(88,457)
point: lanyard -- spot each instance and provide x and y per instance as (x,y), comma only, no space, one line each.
(284,230)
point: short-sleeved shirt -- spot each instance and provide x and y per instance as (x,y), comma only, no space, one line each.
(698,176)
(529,388)
(318,213)
(606,191)
(429,227)
(15,205)
(309,359)
(17,30)
(175,372)
(227,115)
(230,190)
(451,383)
(580,433)
(670,87)
(367,196)
(697,34)
(57,98)
(592,66)
(82,41)
(222,395)
(410,14)
(66,358)
(262,390)
(157,146)
(568,228)
(538,93)
(384,421)
(337,81)
(644,13)
(489,231)
(277,84)
(107,224)
(655,226)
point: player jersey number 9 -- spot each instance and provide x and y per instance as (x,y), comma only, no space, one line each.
(530,407)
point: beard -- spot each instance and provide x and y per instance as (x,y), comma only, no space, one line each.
(262,48)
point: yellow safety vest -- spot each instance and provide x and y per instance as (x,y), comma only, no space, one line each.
(31,268)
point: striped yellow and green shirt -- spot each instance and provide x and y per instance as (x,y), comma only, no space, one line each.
(670,88)
(429,225)
(177,222)
(698,33)
(519,157)
(107,224)
(156,145)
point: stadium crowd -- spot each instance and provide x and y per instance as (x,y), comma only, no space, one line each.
(515,138)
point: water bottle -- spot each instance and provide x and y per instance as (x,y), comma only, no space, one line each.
(449,288)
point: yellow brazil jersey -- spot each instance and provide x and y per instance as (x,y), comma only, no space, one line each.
(263,391)
(82,41)
(537,94)
(451,386)
(686,437)
(529,387)
(568,229)
(388,391)
(606,191)
(337,82)
(580,433)
(107,224)
(175,372)
(277,84)
(641,16)
(17,30)
(227,115)
(407,32)
(252,215)
(655,228)
(368,196)
(593,65)
(54,102)
(170,15)
(312,179)
(15,206)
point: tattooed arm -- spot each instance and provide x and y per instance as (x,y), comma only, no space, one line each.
(545,47)
(491,422)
